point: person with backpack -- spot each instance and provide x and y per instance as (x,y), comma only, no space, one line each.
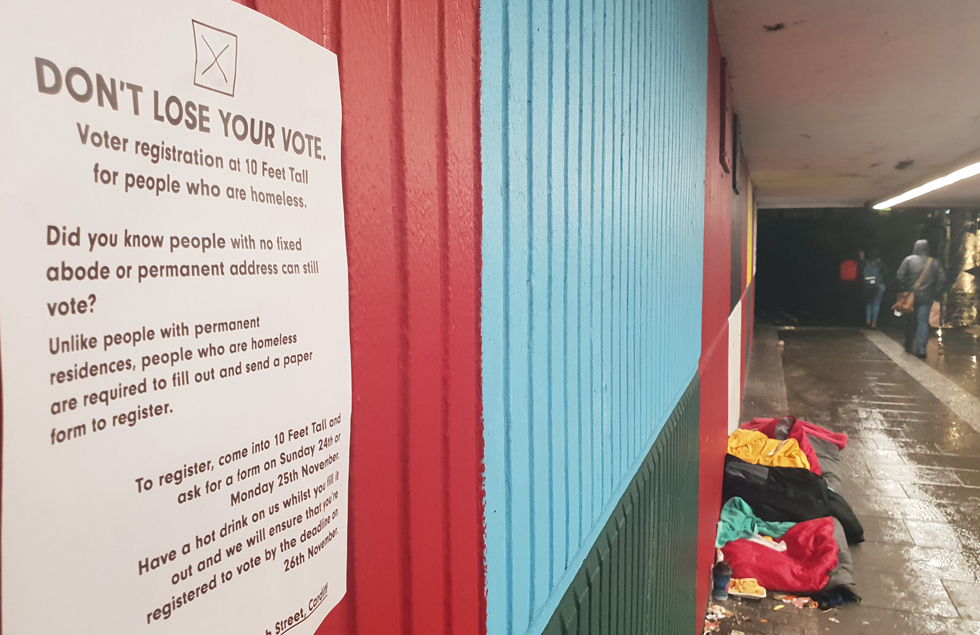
(923,279)
(873,281)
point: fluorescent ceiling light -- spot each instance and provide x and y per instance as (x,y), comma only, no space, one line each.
(932,186)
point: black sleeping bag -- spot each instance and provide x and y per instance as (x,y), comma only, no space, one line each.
(788,494)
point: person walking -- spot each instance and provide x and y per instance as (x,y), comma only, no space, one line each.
(924,278)
(873,279)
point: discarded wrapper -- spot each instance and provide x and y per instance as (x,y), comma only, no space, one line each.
(716,612)
(800,602)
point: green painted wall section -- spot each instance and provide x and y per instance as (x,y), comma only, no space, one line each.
(640,575)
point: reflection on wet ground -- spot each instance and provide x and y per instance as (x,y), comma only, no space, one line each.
(954,353)
(911,474)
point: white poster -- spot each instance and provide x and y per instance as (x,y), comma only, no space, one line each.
(173,321)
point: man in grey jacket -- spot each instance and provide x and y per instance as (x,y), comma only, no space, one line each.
(929,290)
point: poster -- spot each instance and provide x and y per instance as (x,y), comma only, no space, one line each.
(173,321)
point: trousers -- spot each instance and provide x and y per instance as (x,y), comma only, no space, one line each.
(873,308)
(917,329)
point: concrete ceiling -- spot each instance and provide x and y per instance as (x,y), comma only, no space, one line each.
(842,102)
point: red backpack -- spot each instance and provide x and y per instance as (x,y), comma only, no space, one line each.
(848,270)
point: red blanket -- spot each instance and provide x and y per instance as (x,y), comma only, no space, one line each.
(811,553)
(837,438)
(799,431)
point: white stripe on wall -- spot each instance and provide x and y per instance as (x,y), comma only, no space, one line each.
(734,366)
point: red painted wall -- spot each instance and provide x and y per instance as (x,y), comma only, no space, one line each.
(716,307)
(410,92)
(724,212)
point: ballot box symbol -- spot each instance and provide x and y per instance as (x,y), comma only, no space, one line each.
(215,58)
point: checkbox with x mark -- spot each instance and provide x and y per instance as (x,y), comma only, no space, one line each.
(215,58)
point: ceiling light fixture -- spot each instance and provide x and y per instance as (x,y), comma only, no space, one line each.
(932,186)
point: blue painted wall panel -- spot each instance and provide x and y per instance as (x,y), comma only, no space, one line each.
(593,124)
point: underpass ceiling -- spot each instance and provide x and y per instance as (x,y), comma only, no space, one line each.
(843,102)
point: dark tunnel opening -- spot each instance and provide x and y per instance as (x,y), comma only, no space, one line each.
(800,252)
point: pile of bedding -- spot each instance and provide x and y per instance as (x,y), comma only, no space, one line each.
(783,522)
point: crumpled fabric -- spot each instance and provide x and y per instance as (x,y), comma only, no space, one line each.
(787,494)
(811,553)
(835,597)
(763,425)
(739,521)
(767,542)
(843,574)
(756,447)
(768,427)
(829,457)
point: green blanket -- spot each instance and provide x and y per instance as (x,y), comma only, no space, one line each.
(738,521)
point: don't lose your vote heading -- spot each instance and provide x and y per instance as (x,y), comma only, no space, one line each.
(97,90)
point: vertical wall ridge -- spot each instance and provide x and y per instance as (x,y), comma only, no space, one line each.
(566,144)
(506,586)
(445,313)
(529,299)
(396,140)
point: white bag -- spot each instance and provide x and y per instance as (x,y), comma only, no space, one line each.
(934,316)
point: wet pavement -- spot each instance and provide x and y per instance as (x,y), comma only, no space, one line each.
(911,473)
(954,353)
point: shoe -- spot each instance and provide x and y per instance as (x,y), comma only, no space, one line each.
(921,355)
(874,326)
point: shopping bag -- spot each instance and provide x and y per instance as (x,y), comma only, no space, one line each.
(935,318)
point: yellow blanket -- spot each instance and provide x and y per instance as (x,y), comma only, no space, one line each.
(755,447)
